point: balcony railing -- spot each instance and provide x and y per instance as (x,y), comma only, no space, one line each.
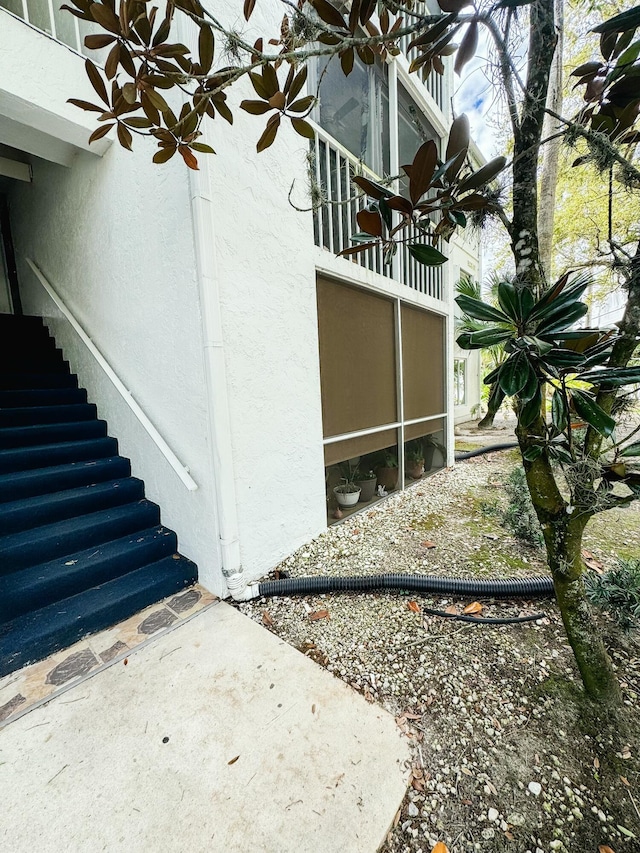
(334,221)
(434,84)
(47,16)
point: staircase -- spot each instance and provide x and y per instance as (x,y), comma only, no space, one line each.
(80,547)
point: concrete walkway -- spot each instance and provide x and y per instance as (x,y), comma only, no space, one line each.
(215,737)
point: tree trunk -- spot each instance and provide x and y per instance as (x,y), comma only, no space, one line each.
(563,527)
(496,396)
(564,547)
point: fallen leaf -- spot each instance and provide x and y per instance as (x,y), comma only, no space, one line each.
(440,847)
(625,781)
(396,819)
(592,562)
(267,620)
(319,614)
(413,606)
(356,531)
(420,494)
(466,771)
(125,661)
(452,609)
(417,784)
(428,544)
(412,716)
(473,608)
(233,760)
(509,835)
(596,763)
(604,848)
(313,709)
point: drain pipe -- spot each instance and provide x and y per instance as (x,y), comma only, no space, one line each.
(219,425)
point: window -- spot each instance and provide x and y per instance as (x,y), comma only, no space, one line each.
(460,381)
(355,110)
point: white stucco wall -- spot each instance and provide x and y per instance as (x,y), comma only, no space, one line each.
(266,274)
(114,237)
(465,257)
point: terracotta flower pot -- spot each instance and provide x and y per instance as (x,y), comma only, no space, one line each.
(388,477)
(415,469)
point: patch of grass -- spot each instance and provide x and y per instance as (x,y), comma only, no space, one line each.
(465,446)
(431,521)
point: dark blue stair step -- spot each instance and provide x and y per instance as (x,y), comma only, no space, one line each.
(39,586)
(26,458)
(30,415)
(51,362)
(30,513)
(21,321)
(17,347)
(42,397)
(40,633)
(27,381)
(30,547)
(42,481)
(38,434)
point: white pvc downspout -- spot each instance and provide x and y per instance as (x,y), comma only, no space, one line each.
(215,375)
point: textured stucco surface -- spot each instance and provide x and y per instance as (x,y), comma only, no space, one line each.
(113,235)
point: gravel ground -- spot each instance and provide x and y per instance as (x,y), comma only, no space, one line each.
(504,755)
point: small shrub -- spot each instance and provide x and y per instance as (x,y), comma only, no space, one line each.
(520,516)
(617,592)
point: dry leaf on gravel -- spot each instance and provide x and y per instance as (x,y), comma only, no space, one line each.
(604,848)
(428,544)
(440,848)
(266,619)
(319,614)
(452,609)
(472,609)
(233,760)
(592,562)
(413,606)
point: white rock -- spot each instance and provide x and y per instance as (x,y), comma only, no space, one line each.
(535,788)
(493,815)
(413,810)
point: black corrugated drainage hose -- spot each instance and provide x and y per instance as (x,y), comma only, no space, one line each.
(480,451)
(531,587)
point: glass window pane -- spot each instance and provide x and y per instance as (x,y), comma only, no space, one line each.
(14,6)
(355,110)
(65,25)
(413,130)
(38,11)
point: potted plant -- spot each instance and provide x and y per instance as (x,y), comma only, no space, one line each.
(414,459)
(347,492)
(388,471)
(367,482)
(431,444)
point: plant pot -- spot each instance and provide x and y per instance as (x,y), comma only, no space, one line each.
(415,469)
(346,498)
(388,477)
(367,489)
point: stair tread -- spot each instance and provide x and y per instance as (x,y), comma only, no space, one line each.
(25,416)
(40,632)
(34,512)
(70,451)
(29,482)
(39,585)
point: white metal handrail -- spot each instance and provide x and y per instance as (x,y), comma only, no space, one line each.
(335,221)
(181,470)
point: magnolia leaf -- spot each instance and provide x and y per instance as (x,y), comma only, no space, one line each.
(532,453)
(100,132)
(514,374)
(422,169)
(255,108)
(458,137)
(531,410)
(614,376)
(484,175)
(96,81)
(413,606)
(509,301)
(329,13)
(631,450)
(628,20)
(484,338)
(440,847)
(592,413)
(370,221)
(480,310)
(472,609)
(371,188)
(353,250)
(468,47)
(559,411)
(303,128)
(164,154)
(269,133)
(427,255)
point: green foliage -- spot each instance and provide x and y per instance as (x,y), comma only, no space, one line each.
(618,593)
(519,516)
